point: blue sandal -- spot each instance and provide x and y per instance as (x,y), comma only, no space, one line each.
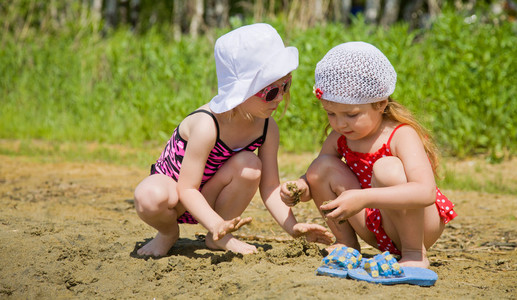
(339,262)
(384,269)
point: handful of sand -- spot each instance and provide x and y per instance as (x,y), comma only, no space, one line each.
(295,192)
(326,211)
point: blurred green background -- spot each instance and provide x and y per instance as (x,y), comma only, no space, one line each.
(70,75)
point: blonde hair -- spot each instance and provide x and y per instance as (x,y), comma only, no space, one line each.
(397,112)
(287,100)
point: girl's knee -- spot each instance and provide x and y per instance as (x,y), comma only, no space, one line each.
(318,168)
(331,170)
(388,171)
(249,165)
(150,198)
(358,223)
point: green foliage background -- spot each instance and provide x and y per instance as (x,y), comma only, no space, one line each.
(75,85)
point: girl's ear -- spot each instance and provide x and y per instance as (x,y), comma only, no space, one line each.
(381,105)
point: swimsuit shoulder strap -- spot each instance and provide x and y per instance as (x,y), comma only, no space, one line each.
(392,133)
(265,128)
(211,115)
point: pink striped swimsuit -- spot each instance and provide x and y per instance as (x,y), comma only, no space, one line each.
(171,158)
(361,164)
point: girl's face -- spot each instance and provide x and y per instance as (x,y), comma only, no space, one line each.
(258,107)
(354,121)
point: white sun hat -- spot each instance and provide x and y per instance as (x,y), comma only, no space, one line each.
(354,73)
(247,60)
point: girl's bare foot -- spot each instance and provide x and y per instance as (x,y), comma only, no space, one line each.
(230,226)
(334,246)
(414,259)
(160,245)
(340,243)
(230,243)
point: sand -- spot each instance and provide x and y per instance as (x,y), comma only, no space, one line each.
(69,230)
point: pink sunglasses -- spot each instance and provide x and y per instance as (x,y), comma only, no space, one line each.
(269,93)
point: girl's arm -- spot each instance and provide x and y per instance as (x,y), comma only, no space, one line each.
(201,133)
(329,147)
(270,192)
(270,182)
(418,191)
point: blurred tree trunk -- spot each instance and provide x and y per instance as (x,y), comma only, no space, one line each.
(178,13)
(217,12)
(111,13)
(271,10)
(261,10)
(222,10)
(372,11)
(134,12)
(96,14)
(258,10)
(196,21)
(194,17)
(54,14)
(434,8)
(285,6)
(306,13)
(342,10)
(469,5)
(122,11)
(391,12)
(416,16)
(318,15)
(413,12)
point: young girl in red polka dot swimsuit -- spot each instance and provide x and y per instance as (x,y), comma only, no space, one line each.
(362,165)
(377,165)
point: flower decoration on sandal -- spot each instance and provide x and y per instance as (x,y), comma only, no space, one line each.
(318,93)
(384,265)
(340,261)
(384,269)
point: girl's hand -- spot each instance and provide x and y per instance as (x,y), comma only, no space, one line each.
(229,226)
(313,233)
(343,207)
(293,192)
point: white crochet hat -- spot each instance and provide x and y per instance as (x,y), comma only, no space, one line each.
(247,60)
(354,73)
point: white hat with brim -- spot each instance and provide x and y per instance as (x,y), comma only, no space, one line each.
(247,60)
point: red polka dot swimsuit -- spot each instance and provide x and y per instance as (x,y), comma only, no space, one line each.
(361,164)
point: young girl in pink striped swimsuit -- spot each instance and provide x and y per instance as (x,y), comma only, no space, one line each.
(377,165)
(208,171)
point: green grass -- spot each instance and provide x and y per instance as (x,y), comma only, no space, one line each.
(44,151)
(75,86)
(483,177)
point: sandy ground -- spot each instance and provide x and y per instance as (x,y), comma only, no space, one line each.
(69,230)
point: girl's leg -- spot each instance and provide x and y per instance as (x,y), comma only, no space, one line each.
(328,177)
(156,203)
(229,192)
(412,230)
